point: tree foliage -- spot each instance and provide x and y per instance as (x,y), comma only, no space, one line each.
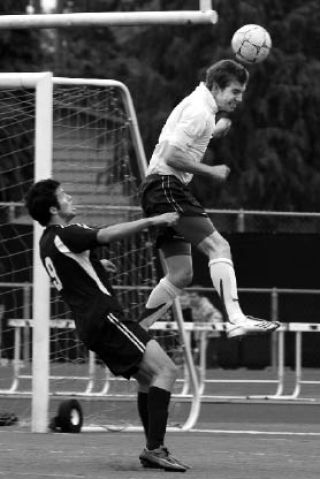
(274,146)
(20,51)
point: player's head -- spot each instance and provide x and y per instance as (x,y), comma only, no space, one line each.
(227,80)
(47,202)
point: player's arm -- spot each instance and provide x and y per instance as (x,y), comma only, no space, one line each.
(221,128)
(122,230)
(109,266)
(178,159)
(192,125)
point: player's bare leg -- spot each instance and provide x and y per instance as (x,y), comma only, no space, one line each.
(200,232)
(178,262)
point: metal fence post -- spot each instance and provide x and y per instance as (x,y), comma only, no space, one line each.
(274,317)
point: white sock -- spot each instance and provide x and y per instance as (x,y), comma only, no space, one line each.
(224,280)
(163,294)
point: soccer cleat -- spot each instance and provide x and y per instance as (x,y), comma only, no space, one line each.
(244,325)
(247,325)
(160,458)
(179,462)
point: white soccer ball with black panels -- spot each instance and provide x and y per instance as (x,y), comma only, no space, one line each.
(251,43)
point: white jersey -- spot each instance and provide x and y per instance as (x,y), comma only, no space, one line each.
(189,127)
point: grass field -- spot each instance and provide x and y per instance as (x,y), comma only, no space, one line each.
(115,455)
(233,439)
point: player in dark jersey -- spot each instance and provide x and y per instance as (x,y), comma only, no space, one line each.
(68,254)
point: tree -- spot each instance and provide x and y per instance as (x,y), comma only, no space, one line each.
(20,51)
(274,145)
(274,148)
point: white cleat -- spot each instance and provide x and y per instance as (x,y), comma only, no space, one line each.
(247,325)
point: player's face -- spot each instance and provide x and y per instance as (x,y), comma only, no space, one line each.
(67,210)
(228,98)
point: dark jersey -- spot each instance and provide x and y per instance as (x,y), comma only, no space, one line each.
(69,256)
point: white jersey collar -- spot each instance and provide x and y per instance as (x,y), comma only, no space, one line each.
(208,97)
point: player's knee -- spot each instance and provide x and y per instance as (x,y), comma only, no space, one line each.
(221,248)
(182,278)
(187,278)
(224,249)
(172,372)
(215,246)
(169,372)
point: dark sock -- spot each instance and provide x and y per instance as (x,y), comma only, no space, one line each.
(143,410)
(158,404)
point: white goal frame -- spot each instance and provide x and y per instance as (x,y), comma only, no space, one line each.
(204,15)
(43,84)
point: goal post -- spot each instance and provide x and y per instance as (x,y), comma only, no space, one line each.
(42,84)
(41,286)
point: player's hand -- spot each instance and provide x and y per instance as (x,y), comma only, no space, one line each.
(109,266)
(222,127)
(166,219)
(220,172)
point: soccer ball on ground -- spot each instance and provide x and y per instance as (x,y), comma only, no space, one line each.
(251,43)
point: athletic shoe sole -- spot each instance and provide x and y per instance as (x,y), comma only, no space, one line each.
(238,331)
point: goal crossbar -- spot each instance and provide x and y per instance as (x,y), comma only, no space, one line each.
(105,19)
(23,80)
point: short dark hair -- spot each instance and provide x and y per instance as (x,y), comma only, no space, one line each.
(224,72)
(39,199)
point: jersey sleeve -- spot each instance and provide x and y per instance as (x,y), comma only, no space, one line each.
(190,127)
(79,238)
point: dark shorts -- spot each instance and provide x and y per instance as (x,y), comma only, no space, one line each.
(120,344)
(166,193)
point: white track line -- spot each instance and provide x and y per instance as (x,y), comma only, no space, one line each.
(254,432)
(113,428)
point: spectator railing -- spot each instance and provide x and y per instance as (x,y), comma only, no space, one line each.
(203,329)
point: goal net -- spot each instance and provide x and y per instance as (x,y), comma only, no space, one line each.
(98,156)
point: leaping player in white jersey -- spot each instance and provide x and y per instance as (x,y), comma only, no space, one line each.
(176,158)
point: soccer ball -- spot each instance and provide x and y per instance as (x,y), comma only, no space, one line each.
(251,44)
